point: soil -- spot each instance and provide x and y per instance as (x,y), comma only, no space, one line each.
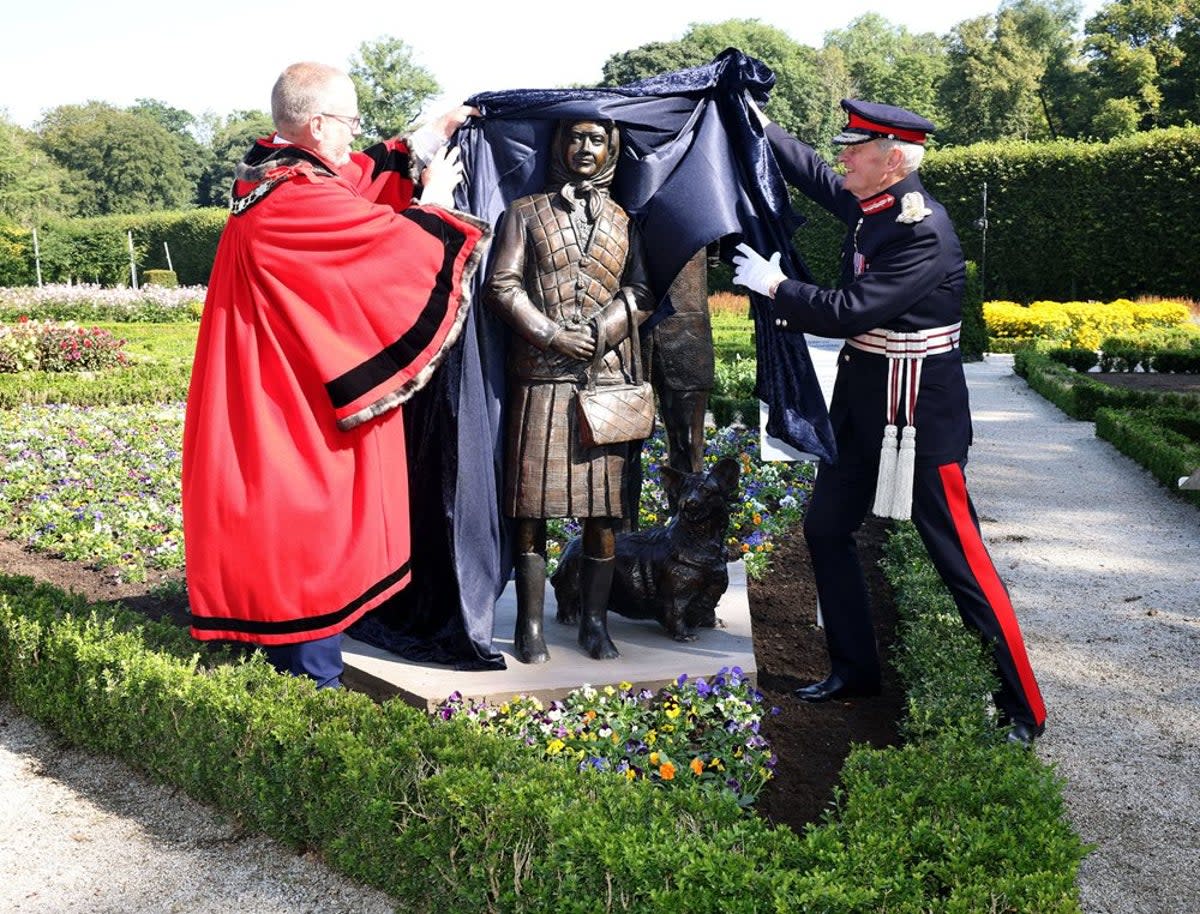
(1149,380)
(811,741)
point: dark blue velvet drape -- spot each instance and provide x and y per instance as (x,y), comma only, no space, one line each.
(694,169)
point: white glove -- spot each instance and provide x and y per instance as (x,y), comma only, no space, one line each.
(440,177)
(755,273)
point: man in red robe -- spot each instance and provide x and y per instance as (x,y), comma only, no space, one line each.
(332,299)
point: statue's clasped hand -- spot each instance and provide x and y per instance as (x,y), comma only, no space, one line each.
(576,341)
(755,272)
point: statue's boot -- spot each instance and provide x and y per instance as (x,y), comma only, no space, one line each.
(594,586)
(529,644)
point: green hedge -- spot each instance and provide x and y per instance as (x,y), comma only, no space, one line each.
(444,816)
(1165,441)
(1070,220)
(97,249)
(1079,396)
(1066,220)
(1161,431)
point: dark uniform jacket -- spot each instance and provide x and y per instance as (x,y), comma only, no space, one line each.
(894,276)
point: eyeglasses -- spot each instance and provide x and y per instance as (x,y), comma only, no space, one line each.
(354,123)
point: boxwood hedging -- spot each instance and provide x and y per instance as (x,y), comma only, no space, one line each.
(1079,396)
(97,249)
(1164,440)
(1161,431)
(447,817)
(1066,220)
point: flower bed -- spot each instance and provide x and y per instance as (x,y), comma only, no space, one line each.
(99,485)
(31,345)
(86,302)
(694,733)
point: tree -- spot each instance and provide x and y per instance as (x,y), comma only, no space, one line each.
(31,184)
(808,83)
(1144,53)
(183,126)
(118,162)
(1002,70)
(392,87)
(229,144)
(889,64)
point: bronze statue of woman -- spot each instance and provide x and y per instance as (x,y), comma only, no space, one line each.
(565,262)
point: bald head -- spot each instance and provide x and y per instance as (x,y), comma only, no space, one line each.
(304,90)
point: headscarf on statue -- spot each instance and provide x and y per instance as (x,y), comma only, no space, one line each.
(694,168)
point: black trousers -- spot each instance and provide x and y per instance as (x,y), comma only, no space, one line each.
(945,518)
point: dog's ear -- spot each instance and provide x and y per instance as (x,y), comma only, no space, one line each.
(726,472)
(672,481)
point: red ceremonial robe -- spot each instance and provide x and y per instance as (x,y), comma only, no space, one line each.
(329,304)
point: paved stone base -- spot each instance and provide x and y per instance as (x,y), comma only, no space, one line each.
(650,658)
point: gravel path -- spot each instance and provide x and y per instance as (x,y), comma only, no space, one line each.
(1103,565)
(84,834)
(1104,570)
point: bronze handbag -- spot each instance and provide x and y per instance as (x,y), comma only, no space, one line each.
(613,413)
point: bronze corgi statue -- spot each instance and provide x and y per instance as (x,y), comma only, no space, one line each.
(675,574)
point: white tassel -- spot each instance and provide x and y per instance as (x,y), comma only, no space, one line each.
(885,486)
(905,467)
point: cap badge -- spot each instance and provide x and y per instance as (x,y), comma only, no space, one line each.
(913,208)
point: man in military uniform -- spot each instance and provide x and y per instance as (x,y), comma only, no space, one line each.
(568,271)
(899,409)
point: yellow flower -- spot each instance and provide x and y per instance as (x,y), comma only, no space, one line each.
(757,519)
(630,774)
(609,690)
(697,766)
(624,686)
(653,758)
(717,763)
(651,736)
(666,771)
(672,711)
(555,746)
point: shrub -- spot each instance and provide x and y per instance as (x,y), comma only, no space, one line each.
(973,343)
(96,249)
(733,396)
(160,278)
(1079,396)
(1176,361)
(1165,440)
(47,346)
(1160,349)
(1081,325)
(1078,359)
(1050,234)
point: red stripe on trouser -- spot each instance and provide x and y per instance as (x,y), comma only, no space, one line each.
(984,571)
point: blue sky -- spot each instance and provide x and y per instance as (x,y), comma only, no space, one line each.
(219,55)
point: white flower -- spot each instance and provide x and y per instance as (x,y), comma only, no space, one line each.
(913,208)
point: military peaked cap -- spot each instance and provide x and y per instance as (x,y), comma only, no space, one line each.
(872,121)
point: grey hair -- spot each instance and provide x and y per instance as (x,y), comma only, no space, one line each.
(299,93)
(913,153)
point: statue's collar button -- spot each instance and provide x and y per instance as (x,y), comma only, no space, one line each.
(585,261)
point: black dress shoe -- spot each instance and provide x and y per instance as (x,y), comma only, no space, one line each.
(835,687)
(1023,733)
